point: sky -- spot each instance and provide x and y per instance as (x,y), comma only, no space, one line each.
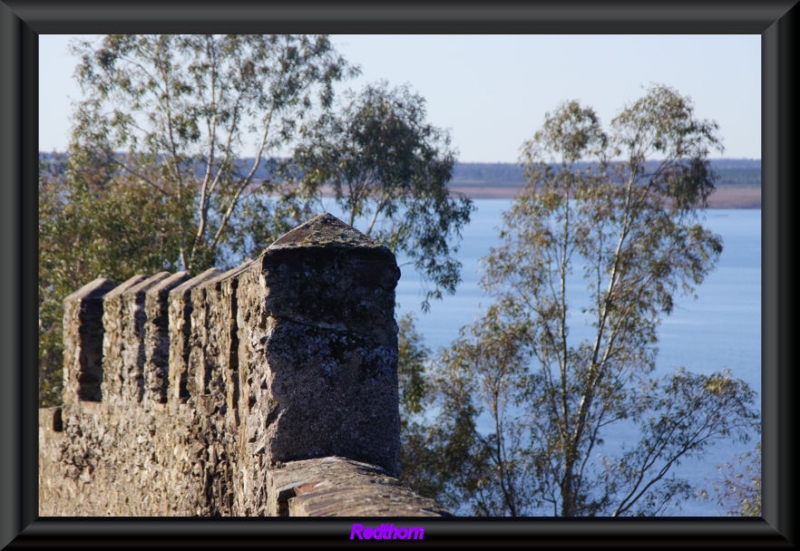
(491,92)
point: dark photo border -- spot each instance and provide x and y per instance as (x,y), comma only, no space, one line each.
(22,21)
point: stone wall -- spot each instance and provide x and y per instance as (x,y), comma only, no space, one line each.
(267,390)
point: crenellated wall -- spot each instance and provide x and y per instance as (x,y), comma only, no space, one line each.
(269,389)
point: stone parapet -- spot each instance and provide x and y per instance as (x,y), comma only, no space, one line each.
(83,341)
(157,338)
(115,322)
(217,394)
(180,325)
(339,487)
(323,347)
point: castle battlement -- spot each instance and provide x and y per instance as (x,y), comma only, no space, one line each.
(266,390)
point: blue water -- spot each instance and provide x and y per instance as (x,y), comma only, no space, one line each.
(720,329)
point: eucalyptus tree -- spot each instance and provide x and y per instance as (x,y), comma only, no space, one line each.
(195,119)
(606,233)
(116,232)
(388,170)
(738,489)
(171,160)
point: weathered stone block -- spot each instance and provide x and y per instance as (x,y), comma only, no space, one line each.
(322,378)
(341,487)
(221,343)
(290,357)
(83,341)
(114,320)
(133,331)
(156,335)
(197,372)
(180,311)
(217,377)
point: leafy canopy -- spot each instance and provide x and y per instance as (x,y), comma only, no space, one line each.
(175,164)
(194,118)
(738,489)
(597,246)
(388,167)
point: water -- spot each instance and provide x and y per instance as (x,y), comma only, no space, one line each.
(720,329)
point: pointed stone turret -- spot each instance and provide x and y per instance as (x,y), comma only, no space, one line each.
(328,274)
(320,369)
(327,231)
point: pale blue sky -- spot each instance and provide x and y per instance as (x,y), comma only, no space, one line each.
(492,91)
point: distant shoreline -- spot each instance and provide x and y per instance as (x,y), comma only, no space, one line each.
(722,198)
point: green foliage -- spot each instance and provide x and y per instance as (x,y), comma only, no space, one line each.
(413,356)
(153,179)
(436,460)
(386,166)
(177,112)
(172,165)
(739,489)
(628,232)
(115,231)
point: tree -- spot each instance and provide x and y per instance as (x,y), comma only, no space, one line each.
(116,231)
(180,114)
(156,175)
(739,489)
(388,168)
(444,459)
(173,165)
(595,252)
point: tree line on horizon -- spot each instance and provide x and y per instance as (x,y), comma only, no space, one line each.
(186,194)
(738,173)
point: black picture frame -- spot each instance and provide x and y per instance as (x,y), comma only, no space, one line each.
(22,21)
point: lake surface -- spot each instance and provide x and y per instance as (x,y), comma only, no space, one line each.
(721,329)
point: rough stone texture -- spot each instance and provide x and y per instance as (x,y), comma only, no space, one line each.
(180,310)
(220,382)
(132,344)
(83,341)
(287,358)
(156,344)
(133,332)
(221,344)
(113,338)
(117,462)
(339,487)
(330,347)
(251,494)
(328,275)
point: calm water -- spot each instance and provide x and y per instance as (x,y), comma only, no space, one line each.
(720,329)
